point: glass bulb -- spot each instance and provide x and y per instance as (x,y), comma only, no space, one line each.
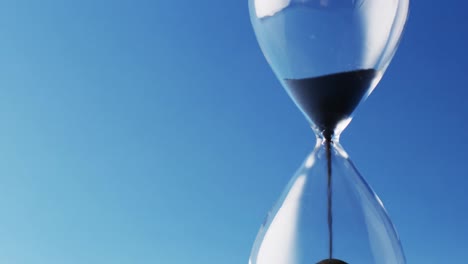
(303,39)
(322,219)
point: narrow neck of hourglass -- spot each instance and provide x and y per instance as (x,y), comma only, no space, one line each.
(332,131)
(331,142)
(325,135)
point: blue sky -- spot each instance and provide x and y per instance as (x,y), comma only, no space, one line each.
(155,132)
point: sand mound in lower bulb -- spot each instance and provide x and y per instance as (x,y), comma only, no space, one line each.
(332,261)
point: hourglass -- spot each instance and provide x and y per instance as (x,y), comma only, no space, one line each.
(329,55)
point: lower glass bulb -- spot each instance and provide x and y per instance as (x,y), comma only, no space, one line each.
(327,214)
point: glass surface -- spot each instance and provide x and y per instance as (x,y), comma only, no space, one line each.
(297,231)
(329,55)
(309,38)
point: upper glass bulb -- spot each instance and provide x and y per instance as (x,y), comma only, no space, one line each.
(328,54)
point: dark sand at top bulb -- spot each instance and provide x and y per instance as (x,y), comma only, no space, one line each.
(328,100)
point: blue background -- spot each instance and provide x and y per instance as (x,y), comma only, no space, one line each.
(155,132)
